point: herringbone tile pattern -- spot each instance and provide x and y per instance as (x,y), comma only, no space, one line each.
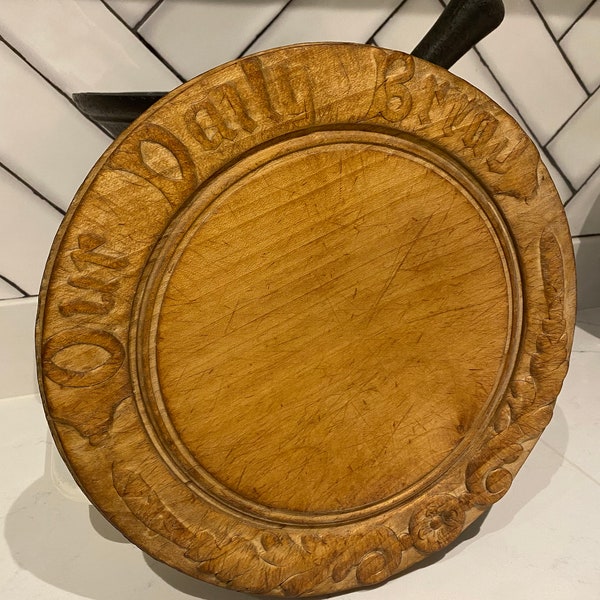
(541,65)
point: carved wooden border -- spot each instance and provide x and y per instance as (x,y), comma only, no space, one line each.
(94,271)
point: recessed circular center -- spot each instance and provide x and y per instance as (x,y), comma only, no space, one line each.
(330,328)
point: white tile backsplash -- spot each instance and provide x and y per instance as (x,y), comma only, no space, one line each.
(131,11)
(576,147)
(409,24)
(7,291)
(327,21)
(583,212)
(30,226)
(80,46)
(44,139)
(561,14)
(530,66)
(196,35)
(525,59)
(582,45)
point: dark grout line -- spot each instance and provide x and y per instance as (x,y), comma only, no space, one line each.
(585,235)
(576,20)
(371,39)
(562,52)
(546,154)
(594,171)
(144,42)
(50,83)
(551,139)
(31,188)
(147,15)
(17,287)
(556,166)
(260,33)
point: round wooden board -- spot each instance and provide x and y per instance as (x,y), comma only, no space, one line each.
(306,318)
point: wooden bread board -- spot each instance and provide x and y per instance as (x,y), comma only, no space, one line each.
(306,318)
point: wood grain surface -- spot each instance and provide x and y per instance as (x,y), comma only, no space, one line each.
(306,318)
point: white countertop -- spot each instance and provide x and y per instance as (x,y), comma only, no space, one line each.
(542,540)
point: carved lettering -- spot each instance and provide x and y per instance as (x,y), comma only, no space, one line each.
(480,132)
(459,110)
(292,92)
(259,96)
(432,90)
(457,113)
(235,112)
(160,159)
(460,115)
(256,79)
(207,125)
(88,307)
(503,155)
(441,103)
(132,159)
(476,126)
(392,99)
(72,375)
(85,255)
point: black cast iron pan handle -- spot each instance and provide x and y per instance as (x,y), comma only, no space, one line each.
(462,24)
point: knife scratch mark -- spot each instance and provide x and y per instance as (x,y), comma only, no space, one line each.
(397,268)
